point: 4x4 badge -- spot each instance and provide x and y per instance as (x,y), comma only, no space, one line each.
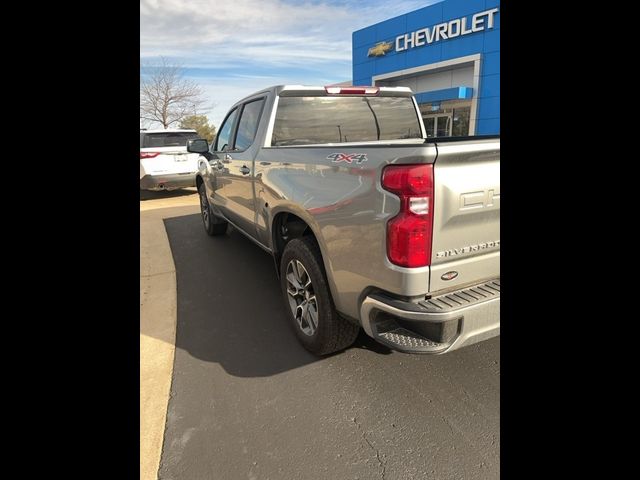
(347,157)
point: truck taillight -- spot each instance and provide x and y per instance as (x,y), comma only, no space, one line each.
(409,233)
(149,154)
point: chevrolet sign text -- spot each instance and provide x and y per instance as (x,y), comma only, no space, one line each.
(442,31)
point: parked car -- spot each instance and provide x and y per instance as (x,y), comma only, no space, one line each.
(371,223)
(165,163)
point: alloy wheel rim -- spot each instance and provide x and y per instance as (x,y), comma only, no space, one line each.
(204,207)
(302,298)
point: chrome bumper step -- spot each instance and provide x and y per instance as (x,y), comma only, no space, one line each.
(462,298)
(434,325)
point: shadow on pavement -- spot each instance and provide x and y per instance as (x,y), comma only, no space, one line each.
(248,401)
(230,308)
(180,192)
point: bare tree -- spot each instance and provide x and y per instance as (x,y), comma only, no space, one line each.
(166,97)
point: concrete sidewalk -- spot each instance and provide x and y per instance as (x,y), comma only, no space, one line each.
(157,321)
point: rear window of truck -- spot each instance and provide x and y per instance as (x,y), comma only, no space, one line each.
(313,120)
(169,139)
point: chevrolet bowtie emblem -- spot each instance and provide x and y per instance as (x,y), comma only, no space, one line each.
(380,49)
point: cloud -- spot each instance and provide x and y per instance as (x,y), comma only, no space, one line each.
(268,32)
(233,48)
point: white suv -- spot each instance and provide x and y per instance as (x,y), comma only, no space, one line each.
(165,163)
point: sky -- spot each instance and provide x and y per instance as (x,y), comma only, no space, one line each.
(232,48)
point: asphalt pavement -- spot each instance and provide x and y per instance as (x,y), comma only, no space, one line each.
(247,401)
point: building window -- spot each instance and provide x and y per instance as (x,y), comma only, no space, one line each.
(448,118)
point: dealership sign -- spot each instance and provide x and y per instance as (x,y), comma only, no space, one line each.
(442,31)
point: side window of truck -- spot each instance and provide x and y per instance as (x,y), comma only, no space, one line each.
(223,139)
(248,124)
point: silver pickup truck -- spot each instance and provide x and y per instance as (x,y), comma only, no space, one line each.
(371,224)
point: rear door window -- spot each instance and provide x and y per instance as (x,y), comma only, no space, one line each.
(313,120)
(248,124)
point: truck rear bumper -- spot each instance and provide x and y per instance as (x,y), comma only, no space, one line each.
(440,324)
(167,182)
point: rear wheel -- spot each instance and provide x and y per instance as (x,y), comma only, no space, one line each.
(306,293)
(212,224)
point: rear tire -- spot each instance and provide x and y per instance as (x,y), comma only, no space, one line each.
(213,225)
(308,299)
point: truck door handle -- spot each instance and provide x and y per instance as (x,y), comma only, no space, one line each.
(245,170)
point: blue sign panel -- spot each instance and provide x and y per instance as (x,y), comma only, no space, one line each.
(442,32)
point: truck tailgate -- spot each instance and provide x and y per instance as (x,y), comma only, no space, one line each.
(466,224)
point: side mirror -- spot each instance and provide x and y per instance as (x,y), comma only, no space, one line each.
(197,145)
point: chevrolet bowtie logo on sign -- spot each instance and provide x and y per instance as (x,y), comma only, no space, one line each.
(380,49)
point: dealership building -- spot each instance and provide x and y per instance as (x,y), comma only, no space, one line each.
(449,54)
